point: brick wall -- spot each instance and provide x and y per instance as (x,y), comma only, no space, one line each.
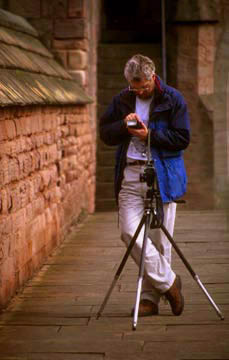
(47,176)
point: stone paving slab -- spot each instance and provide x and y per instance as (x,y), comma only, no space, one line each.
(55,316)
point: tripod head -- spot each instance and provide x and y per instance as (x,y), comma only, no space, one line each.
(149,174)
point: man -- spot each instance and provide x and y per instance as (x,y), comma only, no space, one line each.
(160,109)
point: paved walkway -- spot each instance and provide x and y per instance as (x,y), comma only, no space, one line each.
(54,317)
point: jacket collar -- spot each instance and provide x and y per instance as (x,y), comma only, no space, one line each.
(162,100)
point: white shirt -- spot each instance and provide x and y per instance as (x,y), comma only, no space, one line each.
(137,147)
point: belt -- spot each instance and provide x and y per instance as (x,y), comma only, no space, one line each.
(137,162)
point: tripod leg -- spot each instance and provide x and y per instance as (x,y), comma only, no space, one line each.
(194,275)
(121,266)
(141,270)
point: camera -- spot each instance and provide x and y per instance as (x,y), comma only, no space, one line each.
(134,124)
(148,175)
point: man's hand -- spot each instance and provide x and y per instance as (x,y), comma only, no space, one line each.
(141,133)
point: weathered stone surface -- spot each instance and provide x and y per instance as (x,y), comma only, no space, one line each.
(77,8)
(29,9)
(70,29)
(197,10)
(33,186)
(77,60)
(55,316)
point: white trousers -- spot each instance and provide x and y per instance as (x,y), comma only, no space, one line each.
(159,276)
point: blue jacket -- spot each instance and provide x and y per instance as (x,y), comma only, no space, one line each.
(170,135)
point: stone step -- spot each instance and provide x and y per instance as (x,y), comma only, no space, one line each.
(107,66)
(125,51)
(106,205)
(102,146)
(105,158)
(105,174)
(116,81)
(105,190)
(106,96)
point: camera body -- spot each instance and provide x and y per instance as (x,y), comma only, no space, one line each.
(148,175)
(134,124)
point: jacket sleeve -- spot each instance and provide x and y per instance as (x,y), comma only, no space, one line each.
(177,136)
(112,128)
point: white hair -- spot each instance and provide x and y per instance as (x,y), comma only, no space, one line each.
(139,67)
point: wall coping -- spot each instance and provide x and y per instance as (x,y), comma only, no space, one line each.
(29,73)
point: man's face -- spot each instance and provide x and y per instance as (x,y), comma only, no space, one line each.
(144,88)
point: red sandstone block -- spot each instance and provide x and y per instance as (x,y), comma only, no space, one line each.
(53,153)
(13,170)
(53,227)
(52,120)
(35,233)
(24,189)
(33,187)
(6,225)
(80,76)
(4,201)
(70,44)
(3,130)
(38,205)
(70,29)
(71,150)
(36,123)
(73,129)
(5,247)
(35,160)
(26,271)
(14,192)
(29,213)
(72,140)
(53,195)
(45,177)
(49,138)
(72,175)
(18,126)
(26,143)
(53,174)
(77,8)
(30,9)
(25,164)
(37,140)
(24,125)
(71,118)
(4,171)
(77,59)
(54,9)
(64,131)
(18,219)
(10,129)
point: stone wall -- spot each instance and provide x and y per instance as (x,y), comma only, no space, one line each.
(221,109)
(191,64)
(70,28)
(47,176)
(199,68)
(47,154)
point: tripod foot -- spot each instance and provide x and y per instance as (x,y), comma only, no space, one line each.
(134,327)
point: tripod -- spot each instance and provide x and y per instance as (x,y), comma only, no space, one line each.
(153,217)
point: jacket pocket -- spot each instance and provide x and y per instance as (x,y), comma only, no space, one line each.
(176,176)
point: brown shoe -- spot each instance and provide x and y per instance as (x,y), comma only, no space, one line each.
(175,297)
(146,308)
